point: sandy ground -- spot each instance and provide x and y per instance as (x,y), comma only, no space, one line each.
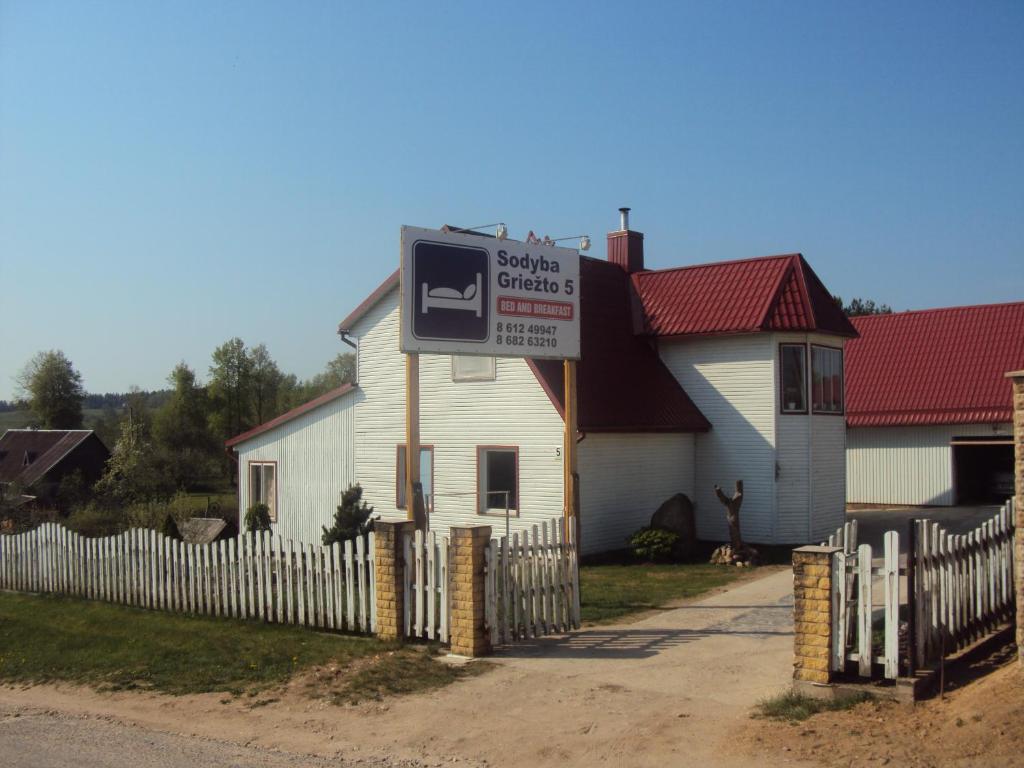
(668,690)
(979,722)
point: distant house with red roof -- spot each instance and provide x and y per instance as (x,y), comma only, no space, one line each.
(689,377)
(929,408)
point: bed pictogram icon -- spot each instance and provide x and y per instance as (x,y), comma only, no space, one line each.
(443,297)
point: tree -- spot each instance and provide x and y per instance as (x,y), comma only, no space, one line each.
(181,429)
(267,381)
(340,370)
(352,518)
(133,472)
(53,389)
(858,307)
(230,389)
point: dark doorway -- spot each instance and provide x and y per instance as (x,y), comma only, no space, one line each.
(983,468)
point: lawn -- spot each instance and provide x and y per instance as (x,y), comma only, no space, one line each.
(45,639)
(612,592)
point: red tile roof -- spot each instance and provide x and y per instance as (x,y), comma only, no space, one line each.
(294,413)
(44,448)
(772,293)
(936,366)
(622,384)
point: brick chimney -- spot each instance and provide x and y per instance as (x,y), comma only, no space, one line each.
(626,247)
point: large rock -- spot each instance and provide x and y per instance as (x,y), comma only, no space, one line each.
(676,515)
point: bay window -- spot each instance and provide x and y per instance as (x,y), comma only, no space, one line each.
(826,380)
(793,365)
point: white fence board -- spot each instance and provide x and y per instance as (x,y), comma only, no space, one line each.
(248,577)
(962,591)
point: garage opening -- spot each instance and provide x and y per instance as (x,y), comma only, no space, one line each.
(983,468)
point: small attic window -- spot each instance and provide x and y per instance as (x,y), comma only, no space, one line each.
(29,457)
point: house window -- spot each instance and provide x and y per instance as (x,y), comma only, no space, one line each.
(498,478)
(472,368)
(826,380)
(426,476)
(793,361)
(263,486)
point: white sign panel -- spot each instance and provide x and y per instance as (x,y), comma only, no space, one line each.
(472,295)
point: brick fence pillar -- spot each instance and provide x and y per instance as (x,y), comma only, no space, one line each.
(1017,377)
(389,576)
(468,632)
(812,613)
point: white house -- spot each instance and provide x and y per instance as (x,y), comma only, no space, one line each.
(929,409)
(689,377)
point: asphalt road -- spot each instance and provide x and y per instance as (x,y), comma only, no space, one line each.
(872,524)
(53,740)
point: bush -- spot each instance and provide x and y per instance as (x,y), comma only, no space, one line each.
(97,520)
(653,544)
(352,518)
(257,518)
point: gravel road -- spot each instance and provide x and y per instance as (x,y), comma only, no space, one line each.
(53,740)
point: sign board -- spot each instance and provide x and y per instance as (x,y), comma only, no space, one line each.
(470,294)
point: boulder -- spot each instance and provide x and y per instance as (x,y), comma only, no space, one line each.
(676,515)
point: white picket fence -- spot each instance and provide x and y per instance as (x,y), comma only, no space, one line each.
(853,576)
(426,586)
(532,584)
(845,537)
(963,584)
(955,589)
(251,577)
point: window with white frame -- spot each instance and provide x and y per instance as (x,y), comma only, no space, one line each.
(826,380)
(498,478)
(472,368)
(793,364)
(263,485)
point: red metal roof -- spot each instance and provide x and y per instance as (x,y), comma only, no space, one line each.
(771,293)
(42,448)
(936,366)
(622,384)
(294,413)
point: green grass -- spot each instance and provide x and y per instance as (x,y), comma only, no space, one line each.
(612,592)
(44,639)
(795,707)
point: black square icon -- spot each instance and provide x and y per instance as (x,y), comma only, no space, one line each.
(450,285)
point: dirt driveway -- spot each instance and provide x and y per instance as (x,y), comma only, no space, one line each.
(668,690)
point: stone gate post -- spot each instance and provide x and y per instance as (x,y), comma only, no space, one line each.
(1017,377)
(812,613)
(389,573)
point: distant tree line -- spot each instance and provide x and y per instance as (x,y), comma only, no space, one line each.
(858,307)
(171,441)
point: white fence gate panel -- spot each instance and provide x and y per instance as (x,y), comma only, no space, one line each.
(959,589)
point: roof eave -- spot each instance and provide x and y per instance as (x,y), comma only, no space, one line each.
(294,413)
(369,302)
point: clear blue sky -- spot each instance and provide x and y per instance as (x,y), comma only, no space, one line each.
(175,174)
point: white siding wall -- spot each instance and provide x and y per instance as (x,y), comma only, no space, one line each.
(455,417)
(625,478)
(905,465)
(314,465)
(811,484)
(828,477)
(731,379)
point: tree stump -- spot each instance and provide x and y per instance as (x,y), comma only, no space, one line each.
(735,552)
